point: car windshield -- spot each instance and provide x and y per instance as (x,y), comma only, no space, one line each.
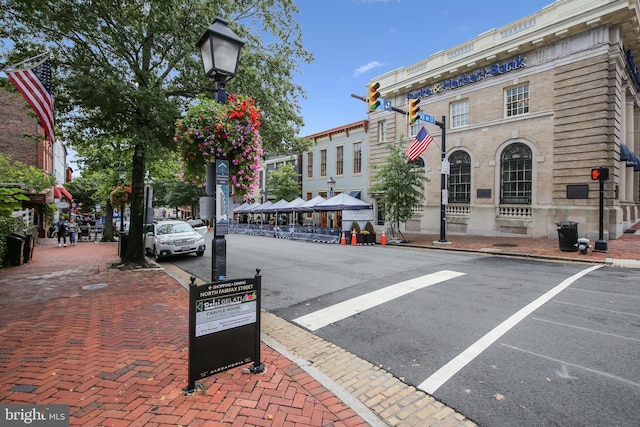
(174,228)
(196,223)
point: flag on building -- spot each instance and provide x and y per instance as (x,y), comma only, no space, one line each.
(419,144)
(35,86)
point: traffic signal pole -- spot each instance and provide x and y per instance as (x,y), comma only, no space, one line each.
(601,244)
(374,103)
(443,183)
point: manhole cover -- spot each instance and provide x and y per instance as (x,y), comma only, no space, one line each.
(95,286)
(505,245)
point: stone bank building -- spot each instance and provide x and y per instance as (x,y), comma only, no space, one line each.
(529,109)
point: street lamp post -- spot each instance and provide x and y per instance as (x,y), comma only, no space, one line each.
(220,51)
(332,184)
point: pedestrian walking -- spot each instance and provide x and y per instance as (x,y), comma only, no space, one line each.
(62,231)
(73,229)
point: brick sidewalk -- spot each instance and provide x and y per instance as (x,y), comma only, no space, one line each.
(114,346)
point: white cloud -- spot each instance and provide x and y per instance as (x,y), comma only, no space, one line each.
(370,66)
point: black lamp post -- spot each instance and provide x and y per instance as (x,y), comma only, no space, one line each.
(220,51)
(332,184)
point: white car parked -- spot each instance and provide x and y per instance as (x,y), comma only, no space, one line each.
(169,238)
(198,225)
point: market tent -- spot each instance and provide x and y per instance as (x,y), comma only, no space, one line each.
(261,207)
(292,205)
(246,208)
(275,207)
(342,202)
(309,205)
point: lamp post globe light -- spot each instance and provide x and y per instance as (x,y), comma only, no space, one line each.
(220,52)
(332,184)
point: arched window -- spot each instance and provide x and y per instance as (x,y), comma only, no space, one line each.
(460,177)
(516,175)
(417,163)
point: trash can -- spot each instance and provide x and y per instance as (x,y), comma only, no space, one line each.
(15,249)
(123,239)
(568,236)
(28,248)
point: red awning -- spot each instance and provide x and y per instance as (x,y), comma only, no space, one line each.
(61,191)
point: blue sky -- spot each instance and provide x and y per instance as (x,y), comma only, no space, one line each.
(356,40)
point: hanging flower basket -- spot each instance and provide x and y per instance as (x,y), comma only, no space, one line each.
(120,194)
(211,131)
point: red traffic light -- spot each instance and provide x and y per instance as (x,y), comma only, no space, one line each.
(600,174)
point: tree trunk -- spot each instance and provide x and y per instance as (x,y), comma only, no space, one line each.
(107,229)
(134,254)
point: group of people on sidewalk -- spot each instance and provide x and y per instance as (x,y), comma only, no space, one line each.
(66,228)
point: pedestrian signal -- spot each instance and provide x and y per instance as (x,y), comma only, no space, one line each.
(373,96)
(413,110)
(600,174)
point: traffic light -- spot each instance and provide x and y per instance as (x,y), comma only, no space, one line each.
(600,174)
(373,96)
(413,110)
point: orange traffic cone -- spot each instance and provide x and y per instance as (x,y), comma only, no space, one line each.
(343,239)
(383,240)
(208,228)
(354,239)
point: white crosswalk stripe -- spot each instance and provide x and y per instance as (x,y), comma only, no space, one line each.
(318,319)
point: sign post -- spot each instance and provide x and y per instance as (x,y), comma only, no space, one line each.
(224,327)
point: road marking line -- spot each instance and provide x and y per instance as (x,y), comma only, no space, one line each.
(588,307)
(444,374)
(562,362)
(318,319)
(566,325)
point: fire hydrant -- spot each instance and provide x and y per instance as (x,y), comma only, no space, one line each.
(583,245)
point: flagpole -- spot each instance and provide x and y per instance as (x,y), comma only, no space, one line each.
(32,59)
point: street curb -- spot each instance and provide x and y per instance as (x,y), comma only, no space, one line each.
(373,393)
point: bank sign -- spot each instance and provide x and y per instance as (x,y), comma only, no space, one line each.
(494,70)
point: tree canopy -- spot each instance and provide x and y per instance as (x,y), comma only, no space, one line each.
(126,70)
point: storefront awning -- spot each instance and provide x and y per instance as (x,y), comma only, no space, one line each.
(630,157)
(58,192)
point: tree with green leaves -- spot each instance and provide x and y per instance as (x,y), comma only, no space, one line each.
(284,182)
(35,180)
(399,185)
(126,70)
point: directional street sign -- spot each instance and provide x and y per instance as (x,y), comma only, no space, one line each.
(386,104)
(427,118)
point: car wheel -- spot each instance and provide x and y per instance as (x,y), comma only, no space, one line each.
(157,255)
(199,253)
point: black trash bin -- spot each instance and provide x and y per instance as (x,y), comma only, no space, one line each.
(28,248)
(568,236)
(123,239)
(15,249)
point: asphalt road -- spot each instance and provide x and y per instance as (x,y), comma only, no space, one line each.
(496,338)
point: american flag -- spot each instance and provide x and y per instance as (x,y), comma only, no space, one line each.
(419,144)
(35,86)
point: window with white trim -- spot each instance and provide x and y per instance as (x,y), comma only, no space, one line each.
(517,100)
(460,113)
